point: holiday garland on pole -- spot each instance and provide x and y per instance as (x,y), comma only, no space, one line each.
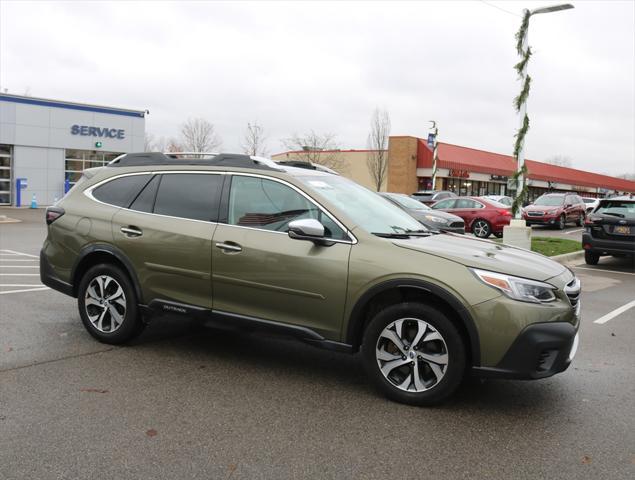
(521,68)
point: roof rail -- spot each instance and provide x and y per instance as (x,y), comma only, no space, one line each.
(193,158)
(307,165)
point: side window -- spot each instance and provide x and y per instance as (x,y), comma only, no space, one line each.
(120,191)
(465,203)
(189,195)
(449,203)
(270,205)
(145,200)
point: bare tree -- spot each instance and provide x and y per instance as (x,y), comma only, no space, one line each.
(154,143)
(254,142)
(560,160)
(198,135)
(173,145)
(377,160)
(315,148)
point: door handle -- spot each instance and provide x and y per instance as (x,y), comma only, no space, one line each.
(229,247)
(131,231)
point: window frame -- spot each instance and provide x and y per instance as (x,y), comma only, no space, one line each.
(89,192)
(224,207)
(223,203)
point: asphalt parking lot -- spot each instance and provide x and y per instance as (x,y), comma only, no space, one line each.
(187,401)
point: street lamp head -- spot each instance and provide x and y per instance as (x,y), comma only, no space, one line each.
(554,8)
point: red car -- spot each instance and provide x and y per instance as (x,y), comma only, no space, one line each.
(482,216)
(556,210)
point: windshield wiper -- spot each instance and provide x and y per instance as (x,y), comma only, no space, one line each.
(404,235)
(615,214)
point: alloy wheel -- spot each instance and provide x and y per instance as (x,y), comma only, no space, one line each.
(105,304)
(412,355)
(481,228)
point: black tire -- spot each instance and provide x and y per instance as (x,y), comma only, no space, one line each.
(498,234)
(562,222)
(591,258)
(453,346)
(131,325)
(580,220)
(483,228)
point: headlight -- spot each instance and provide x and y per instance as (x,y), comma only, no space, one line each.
(432,218)
(518,288)
(551,212)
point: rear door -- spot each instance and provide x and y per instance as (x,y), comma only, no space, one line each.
(260,272)
(467,209)
(167,234)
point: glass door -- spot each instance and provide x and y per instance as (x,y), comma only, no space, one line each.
(5,175)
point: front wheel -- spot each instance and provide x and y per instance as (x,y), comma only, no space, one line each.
(562,222)
(108,305)
(481,228)
(414,354)
(591,258)
(580,221)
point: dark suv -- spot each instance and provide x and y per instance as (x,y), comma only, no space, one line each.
(247,243)
(610,229)
(556,210)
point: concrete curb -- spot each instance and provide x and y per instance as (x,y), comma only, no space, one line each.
(568,257)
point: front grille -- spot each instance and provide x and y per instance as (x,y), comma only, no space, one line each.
(535,214)
(457,224)
(573,291)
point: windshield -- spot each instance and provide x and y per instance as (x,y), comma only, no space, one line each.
(367,209)
(550,201)
(407,202)
(618,208)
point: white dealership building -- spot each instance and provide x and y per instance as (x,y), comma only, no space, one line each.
(46,144)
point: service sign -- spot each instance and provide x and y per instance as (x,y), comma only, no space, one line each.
(103,132)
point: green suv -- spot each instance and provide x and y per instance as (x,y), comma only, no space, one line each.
(249,243)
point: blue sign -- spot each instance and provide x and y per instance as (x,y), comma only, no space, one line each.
(86,131)
(431,139)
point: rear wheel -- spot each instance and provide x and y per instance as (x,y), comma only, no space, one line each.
(414,354)
(591,258)
(481,228)
(108,305)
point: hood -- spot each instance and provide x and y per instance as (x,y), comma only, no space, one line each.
(486,255)
(421,215)
(541,208)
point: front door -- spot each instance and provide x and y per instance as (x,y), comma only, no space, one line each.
(167,235)
(260,272)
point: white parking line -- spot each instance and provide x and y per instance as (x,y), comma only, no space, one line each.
(20,285)
(25,290)
(600,270)
(19,253)
(19,266)
(614,313)
(19,274)
(574,231)
(18,259)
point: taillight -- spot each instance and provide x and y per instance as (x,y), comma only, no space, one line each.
(53,213)
(504,212)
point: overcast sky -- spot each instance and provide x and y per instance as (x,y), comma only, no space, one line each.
(296,66)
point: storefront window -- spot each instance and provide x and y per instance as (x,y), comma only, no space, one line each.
(5,175)
(79,160)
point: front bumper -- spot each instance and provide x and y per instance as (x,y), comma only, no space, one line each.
(540,350)
(605,246)
(541,220)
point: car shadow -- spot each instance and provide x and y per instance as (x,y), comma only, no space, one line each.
(294,363)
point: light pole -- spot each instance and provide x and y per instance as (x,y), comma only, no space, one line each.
(521,100)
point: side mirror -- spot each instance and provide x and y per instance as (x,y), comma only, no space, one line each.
(308,229)
(568,205)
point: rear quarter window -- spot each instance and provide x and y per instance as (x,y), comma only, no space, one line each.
(121,191)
